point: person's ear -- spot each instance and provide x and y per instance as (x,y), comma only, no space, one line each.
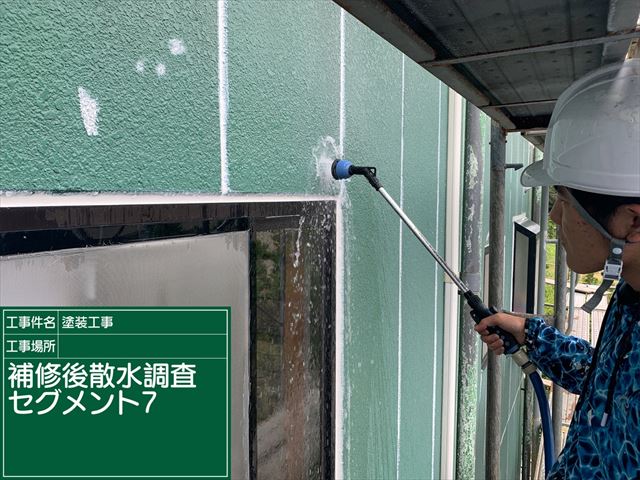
(633,215)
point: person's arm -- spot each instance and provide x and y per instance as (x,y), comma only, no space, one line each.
(564,359)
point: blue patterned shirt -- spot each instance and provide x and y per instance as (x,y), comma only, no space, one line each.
(604,437)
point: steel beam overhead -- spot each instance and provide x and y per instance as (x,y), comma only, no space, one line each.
(523,104)
(510,59)
(615,37)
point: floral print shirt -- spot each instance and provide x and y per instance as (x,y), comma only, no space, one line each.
(604,437)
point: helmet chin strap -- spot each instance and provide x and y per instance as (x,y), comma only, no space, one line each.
(613,265)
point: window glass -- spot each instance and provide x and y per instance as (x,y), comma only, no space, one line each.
(291,291)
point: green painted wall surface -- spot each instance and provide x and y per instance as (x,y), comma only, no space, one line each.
(155,133)
(374,104)
(373,111)
(425,133)
(284,92)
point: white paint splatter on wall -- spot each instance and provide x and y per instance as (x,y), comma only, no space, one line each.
(161,69)
(89,110)
(176,46)
(140,66)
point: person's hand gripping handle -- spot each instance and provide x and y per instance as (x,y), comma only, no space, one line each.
(479,311)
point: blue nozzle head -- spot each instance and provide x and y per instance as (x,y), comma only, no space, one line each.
(340,169)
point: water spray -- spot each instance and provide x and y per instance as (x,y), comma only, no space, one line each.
(344,169)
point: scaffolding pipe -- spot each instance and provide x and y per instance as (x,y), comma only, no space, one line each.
(527,421)
(471,256)
(542,248)
(529,397)
(540,301)
(573,277)
(496,274)
(560,315)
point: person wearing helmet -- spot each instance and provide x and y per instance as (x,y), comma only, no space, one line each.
(592,158)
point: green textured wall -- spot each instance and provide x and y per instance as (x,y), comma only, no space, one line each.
(284,81)
(376,134)
(159,131)
(155,133)
(425,133)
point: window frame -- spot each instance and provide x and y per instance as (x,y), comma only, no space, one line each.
(253,216)
(529,231)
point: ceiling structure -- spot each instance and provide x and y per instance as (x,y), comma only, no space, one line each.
(510,58)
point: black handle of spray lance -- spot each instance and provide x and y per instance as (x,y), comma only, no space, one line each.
(343,169)
(479,311)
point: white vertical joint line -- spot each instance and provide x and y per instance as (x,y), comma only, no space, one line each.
(399,406)
(339,343)
(434,359)
(342,78)
(451,303)
(223,94)
(340,269)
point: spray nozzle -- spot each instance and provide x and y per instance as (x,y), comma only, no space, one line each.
(343,169)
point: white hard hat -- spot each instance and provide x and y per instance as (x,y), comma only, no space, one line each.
(593,138)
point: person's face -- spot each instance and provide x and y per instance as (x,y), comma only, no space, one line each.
(586,248)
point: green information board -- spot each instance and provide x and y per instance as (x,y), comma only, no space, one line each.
(116,392)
